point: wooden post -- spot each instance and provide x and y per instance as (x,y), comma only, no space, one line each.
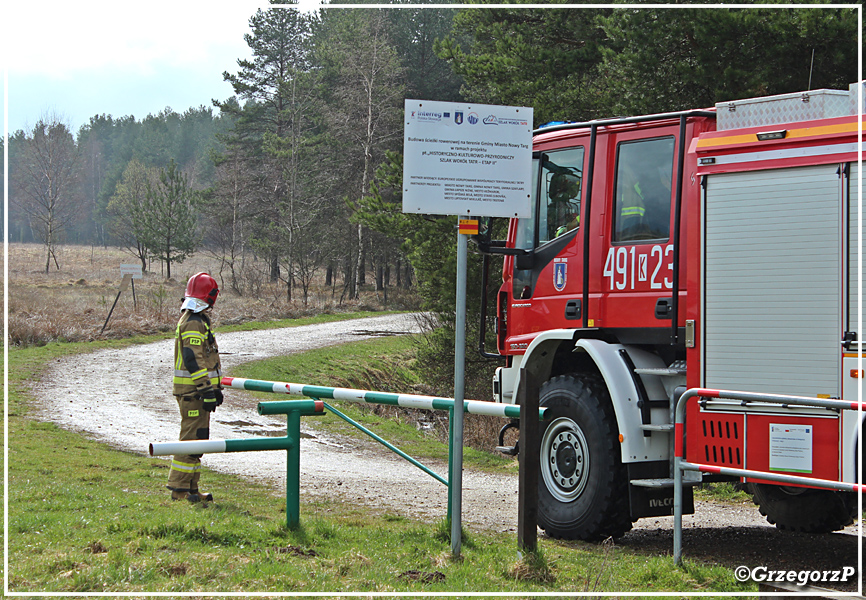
(124,283)
(527,504)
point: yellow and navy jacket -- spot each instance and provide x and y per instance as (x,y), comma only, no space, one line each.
(196,356)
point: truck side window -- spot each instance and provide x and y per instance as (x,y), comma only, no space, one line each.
(558,176)
(642,202)
(562,175)
(558,209)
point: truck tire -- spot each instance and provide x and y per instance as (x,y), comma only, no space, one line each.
(805,509)
(582,483)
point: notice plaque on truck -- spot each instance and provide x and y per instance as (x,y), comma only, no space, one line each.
(467,159)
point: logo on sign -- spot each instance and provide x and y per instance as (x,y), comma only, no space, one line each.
(560,269)
(472,118)
(491,120)
(458,117)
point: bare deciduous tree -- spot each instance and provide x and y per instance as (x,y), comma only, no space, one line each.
(367,102)
(45,182)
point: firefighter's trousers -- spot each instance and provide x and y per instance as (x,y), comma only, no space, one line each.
(194,425)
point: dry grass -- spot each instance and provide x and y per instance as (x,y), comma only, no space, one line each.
(72,304)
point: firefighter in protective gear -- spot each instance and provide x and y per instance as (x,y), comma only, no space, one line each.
(197,386)
(563,212)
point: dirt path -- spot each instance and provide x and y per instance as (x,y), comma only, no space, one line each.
(123,398)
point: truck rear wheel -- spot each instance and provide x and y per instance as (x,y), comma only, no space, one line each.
(805,509)
(583,485)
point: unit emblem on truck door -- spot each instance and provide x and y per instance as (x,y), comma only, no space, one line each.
(560,268)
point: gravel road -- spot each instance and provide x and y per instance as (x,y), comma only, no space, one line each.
(122,397)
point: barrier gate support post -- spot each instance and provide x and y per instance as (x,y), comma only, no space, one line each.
(294,410)
(527,503)
(293,470)
(293,452)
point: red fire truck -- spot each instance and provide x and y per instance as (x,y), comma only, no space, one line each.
(709,248)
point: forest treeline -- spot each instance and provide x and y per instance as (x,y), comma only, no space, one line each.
(301,166)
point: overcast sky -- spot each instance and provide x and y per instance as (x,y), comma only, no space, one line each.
(79,59)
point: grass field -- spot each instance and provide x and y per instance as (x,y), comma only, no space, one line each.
(86,518)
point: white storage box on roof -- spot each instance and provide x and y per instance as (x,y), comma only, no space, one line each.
(853,90)
(785,108)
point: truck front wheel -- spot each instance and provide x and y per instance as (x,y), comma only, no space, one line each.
(583,485)
(805,509)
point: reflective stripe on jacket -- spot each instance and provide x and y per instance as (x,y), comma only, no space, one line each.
(196,356)
(633,206)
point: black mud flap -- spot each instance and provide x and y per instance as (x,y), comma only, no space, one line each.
(651,491)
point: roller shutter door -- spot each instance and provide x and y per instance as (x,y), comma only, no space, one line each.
(772,281)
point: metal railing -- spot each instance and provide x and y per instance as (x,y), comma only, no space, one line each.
(294,409)
(681,465)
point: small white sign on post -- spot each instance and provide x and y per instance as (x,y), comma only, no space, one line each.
(134,270)
(467,159)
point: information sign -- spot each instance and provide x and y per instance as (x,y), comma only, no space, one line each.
(134,270)
(467,159)
(791,448)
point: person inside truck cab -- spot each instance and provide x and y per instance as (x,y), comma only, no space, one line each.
(631,207)
(563,209)
(643,190)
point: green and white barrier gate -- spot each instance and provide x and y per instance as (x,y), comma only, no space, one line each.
(474,407)
(294,409)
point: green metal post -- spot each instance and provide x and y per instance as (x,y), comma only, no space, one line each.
(293,470)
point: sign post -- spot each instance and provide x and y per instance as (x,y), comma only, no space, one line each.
(135,272)
(469,161)
(129,274)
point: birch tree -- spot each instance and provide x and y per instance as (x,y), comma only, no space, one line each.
(365,105)
(45,180)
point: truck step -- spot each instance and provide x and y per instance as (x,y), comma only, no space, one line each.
(677,368)
(663,428)
(663,372)
(666,482)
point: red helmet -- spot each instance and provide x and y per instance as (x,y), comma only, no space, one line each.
(204,287)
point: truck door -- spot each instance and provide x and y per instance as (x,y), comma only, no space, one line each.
(540,290)
(637,277)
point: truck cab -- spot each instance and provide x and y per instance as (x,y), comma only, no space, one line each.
(614,295)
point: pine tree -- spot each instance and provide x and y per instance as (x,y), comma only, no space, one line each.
(126,210)
(169,218)
(269,125)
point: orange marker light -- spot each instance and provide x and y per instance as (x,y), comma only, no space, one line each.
(856,374)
